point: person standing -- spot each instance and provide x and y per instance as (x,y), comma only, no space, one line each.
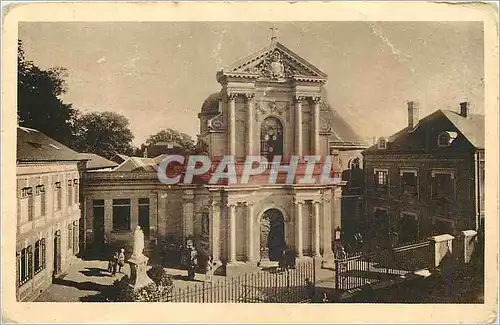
(115,263)
(209,269)
(121,260)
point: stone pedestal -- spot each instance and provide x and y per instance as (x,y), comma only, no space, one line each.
(441,247)
(138,276)
(469,244)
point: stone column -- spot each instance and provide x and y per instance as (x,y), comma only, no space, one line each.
(232,233)
(134,212)
(250,126)
(188,214)
(214,241)
(108,218)
(336,208)
(315,125)
(316,216)
(250,233)
(299,246)
(327,229)
(298,125)
(231,121)
(153,216)
(162,215)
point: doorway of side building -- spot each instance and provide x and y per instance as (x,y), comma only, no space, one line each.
(144,216)
(272,235)
(98,223)
(57,252)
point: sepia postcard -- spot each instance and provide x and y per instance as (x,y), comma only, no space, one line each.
(271,162)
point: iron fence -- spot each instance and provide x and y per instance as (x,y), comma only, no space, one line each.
(274,285)
(357,270)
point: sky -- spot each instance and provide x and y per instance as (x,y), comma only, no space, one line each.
(158,74)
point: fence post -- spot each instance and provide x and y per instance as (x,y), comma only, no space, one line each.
(203,291)
(314,278)
(336,270)
(246,283)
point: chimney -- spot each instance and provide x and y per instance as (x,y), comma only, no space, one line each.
(412,114)
(145,155)
(464,109)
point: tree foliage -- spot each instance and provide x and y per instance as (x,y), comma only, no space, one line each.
(170,135)
(38,100)
(103,133)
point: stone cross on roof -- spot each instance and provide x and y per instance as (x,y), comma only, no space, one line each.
(273,34)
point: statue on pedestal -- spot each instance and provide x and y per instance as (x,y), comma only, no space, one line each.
(138,262)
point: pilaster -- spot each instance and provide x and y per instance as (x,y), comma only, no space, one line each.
(299,246)
(188,214)
(298,125)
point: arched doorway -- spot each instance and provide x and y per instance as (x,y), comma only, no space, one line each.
(272,235)
(271,138)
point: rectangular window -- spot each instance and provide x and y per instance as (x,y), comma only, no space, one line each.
(38,201)
(39,256)
(76,189)
(25,265)
(70,236)
(98,220)
(121,214)
(442,186)
(57,189)
(144,216)
(75,238)
(70,193)
(408,228)
(381,179)
(26,208)
(409,183)
(442,226)
(381,219)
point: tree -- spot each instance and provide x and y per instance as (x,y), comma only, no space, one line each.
(170,135)
(103,133)
(38,100)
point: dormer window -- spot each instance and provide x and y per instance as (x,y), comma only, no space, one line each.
(446,138)
(382,143)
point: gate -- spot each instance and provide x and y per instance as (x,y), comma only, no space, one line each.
(357,270)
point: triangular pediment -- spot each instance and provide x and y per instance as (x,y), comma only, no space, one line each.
(275,62)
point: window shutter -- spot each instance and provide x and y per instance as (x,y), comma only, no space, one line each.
(30,262)
(43,253)
(18,265)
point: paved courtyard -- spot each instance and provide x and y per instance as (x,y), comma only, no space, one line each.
(89,277)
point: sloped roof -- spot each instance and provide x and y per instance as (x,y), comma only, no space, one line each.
(470,127)
(137,164)
(33,145)
(259,55)
(341,132)
(96,161)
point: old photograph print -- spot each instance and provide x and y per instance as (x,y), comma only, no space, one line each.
(247,162)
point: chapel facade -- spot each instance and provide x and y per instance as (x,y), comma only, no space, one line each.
(271,104)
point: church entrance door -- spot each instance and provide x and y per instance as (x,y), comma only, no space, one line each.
(272,235)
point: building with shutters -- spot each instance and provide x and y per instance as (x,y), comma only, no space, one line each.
(48,211)
(428,178)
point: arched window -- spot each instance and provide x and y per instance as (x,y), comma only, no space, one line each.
(271,138)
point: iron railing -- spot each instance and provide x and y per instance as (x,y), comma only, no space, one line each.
(269,286)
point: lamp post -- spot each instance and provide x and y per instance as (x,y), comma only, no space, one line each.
(336,254)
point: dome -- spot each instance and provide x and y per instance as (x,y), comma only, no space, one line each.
(211,104)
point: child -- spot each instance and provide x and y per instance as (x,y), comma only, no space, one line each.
(121,260)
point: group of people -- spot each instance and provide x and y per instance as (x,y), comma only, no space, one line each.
(190,261)
(116,262)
